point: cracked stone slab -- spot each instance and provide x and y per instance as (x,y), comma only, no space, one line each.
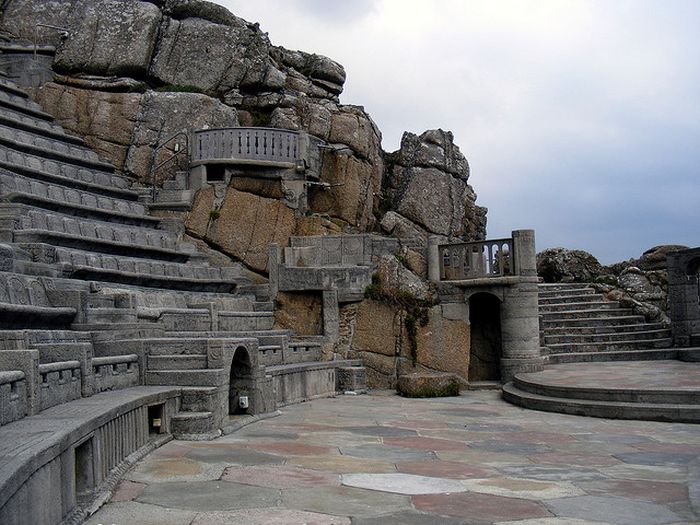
(381,431)
(523,488)
(408,518)
(646,472)
(175,469)
(479,507)
(280,477)
(656,458)
(345,501)
(207,496)
(237,456)
(402,483)
(134,513)
(617,511)
(389,453)
(551,473)
(445,469)
(342,464)
(552,521)
(268,517)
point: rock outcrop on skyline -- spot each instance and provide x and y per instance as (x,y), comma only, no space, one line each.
(131,73)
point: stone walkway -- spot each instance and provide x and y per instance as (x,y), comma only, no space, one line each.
(382,459)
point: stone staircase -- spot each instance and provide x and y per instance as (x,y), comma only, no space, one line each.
(107,296)
(598,351)
(578,324)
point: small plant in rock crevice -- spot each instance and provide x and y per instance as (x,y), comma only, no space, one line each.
(415,309)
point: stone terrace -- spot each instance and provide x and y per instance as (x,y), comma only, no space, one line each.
(471,459)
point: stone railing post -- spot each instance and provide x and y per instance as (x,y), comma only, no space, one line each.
(524,253)
(433,259)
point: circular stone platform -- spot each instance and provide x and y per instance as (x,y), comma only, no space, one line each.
(652,390)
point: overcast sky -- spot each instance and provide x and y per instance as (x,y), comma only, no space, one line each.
(580,119)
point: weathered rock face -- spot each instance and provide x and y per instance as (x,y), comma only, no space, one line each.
(123,127)
(561,265)
(426,189)
(652,259)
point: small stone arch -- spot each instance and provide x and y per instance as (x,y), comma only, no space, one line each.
(486,345)
(240,381)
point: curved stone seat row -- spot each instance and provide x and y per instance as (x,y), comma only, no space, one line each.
(22,103)
(10,87)
(145,272)
(39,167)
(134,236)
(10,183)
(25,302)
(53,148)
(18,120)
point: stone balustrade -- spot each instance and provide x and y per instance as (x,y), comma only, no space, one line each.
(247,145)
(470,260)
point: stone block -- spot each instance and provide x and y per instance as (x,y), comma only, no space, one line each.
(428,385)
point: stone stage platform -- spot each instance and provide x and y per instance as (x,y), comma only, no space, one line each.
(667,390)
(382,459)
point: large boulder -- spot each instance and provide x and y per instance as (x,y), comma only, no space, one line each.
(120,37)
(426,186)
(556,265)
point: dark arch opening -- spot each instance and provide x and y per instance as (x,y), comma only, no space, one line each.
(485,348)
(240,381)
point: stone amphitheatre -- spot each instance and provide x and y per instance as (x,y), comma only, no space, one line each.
(197,238)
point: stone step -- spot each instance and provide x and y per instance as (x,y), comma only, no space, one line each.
(663,333)
(596,313)
(51,148)
(627,355)
(8,86)
(576,292)
(603,321)
(239,321)
(571,307)
(673,396)
(20,102)
(573,298)
(186,425)
(136,271)
(682,413)
(22,121)
(114,316)
(98,181)
(20,218)
(177,362)
(563,287)
(603,329)
(607,346)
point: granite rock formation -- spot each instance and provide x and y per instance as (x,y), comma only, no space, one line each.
(562,265)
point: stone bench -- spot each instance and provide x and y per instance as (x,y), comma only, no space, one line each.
(237,321)
(24,302)
(19,120)
(59,382)
(13,396)
(55,230)
(144,272)
(115,372)
(96,180)
(22,103)
(74,201)
(52,148)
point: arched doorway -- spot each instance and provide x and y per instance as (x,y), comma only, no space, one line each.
(485,348)
(240,382)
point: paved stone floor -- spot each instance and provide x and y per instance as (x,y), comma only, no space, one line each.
(382,459)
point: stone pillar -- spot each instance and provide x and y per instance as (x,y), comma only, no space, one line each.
(433,259)
(331,315)
(520,330)
(524,253)
(273,264)
(683,295)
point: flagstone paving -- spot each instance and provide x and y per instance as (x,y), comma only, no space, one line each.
(382,459)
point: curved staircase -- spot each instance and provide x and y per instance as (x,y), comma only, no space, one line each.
(604,360)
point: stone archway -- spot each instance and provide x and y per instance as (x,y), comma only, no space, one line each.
(486,348)
(240,382)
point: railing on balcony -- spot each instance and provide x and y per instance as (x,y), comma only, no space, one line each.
(474,260)
(246,145)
